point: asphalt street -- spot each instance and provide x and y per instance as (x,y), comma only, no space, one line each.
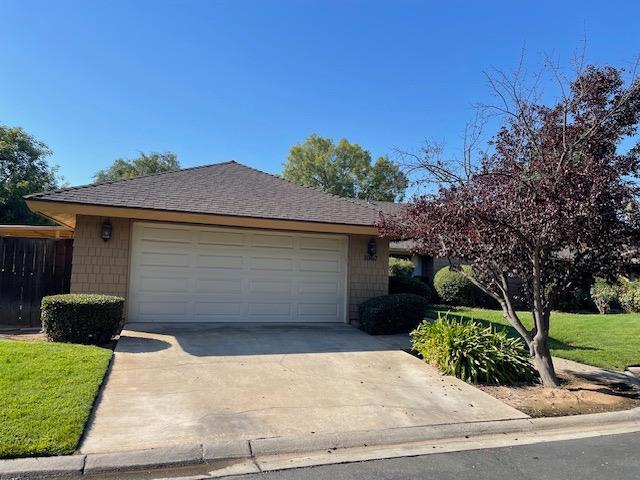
(609,457)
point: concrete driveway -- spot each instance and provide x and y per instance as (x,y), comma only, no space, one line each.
(193,383)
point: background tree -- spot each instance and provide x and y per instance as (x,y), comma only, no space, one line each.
(556,199)
(344,169)
(145,164)
(23,170)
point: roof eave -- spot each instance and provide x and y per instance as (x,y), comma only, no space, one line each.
(65,213)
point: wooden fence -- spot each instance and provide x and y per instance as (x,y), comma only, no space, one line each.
(31,268)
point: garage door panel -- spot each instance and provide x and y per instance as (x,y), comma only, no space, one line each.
(156,307)
(271,263)
(159,235)
(319,288)
(217,309)
(163,284)
(168,259)
(233,262)
(272,241)
(215,285)
(321,244)
(324,309)
(209,274)
(318,265)
(269,309)
(270,285)
(222,239)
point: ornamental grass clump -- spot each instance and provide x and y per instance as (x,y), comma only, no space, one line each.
(473,352)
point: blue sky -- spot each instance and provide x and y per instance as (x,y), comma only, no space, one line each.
(245,80)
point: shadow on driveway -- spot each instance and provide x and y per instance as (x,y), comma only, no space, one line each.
(227,339)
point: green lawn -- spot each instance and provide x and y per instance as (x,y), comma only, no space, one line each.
(608,341)
(46,394)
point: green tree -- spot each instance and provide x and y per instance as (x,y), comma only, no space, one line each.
(23,170)
(145,164)
(344,169)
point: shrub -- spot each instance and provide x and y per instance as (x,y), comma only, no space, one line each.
(388,314)
(473,352)
(454,288)
(577,299)
(630,296)
(400,267)
(603,294)
(410,285)
(81,318)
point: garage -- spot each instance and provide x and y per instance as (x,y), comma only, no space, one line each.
(186,273)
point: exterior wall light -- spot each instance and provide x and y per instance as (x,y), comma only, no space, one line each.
(107,230)
(372,250)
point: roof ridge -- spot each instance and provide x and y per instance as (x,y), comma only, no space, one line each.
(121,180)
(355,201)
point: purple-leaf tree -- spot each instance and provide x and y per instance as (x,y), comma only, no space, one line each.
(554,200)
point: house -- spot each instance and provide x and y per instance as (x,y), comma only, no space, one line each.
(221,243)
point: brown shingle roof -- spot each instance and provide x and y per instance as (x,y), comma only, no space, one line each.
(221,189)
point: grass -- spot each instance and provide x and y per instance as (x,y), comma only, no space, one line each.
(608,341)
(46,395)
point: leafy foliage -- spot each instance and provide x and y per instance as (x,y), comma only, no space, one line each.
(145,164)
(23,170)
(81,318)
(630,296)
(400,267)
(404,284)
(472,352)
(389,314)
(454,287)
(344,169)
(603,294)
(552,202)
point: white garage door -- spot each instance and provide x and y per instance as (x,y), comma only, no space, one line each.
(200,274)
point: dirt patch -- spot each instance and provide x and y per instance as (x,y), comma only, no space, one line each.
(24,336)
(575,396)
(34,336)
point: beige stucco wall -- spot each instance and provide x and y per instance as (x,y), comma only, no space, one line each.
(99,266)
(103,267)
(367,278)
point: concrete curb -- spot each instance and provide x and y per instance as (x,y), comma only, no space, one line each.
(216,453)
(396,436)
(142,459)
(42,467)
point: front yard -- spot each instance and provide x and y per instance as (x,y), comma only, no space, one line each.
(46,394)
(608,341)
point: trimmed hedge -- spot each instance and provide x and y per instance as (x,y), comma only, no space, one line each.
(400,266)
(401,284)
(81,318)
(389,314)
(454,288)
(472,352)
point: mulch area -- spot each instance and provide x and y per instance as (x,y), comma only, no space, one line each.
(577,395)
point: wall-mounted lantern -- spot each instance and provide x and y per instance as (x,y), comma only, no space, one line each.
(107,230)
(372,250)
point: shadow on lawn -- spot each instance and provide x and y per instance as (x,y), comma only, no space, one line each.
(554,343)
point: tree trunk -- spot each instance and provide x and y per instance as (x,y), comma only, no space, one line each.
(542,360)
